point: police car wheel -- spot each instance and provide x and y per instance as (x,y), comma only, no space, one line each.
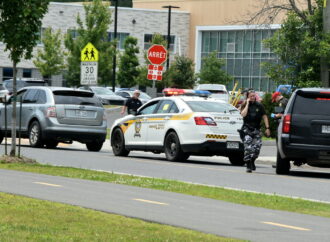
(173,149)
(237,159)
(118,143)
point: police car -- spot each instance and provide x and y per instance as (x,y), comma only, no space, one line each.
(181,126)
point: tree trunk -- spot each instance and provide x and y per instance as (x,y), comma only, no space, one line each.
(13,117)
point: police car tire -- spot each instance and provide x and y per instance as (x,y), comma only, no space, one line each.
(177,154)
(237,159)
(118,143)
(282,165)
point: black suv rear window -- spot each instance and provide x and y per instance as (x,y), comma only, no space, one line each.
(76,98)
(314,103)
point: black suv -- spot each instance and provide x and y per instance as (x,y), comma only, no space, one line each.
(304,132)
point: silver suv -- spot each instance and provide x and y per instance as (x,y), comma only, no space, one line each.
(55,114)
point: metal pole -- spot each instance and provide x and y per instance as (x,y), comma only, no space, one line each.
(169,34)
(115,54)
(6,125)
(20,127)
(168,37)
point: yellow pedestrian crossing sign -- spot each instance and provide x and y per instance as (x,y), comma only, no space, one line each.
(89,53)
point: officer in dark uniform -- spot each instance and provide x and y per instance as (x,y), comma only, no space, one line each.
(278,98)
(132,104)
(253,112)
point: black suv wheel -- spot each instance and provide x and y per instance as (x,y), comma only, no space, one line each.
(282,165)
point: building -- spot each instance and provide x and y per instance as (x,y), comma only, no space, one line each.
(140,23)
(219,25)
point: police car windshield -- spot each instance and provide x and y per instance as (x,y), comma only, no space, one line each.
(216,107)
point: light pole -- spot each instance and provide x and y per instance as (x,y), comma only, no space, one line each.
(169,33)
(115,43)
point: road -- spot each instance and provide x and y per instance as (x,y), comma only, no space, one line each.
(206,215)
(215,171)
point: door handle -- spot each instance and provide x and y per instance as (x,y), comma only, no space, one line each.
(144,119)
(167,118)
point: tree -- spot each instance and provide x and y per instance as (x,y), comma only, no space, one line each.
(20,21)
(50,60)
(300,44)
(181,73)
(94,30)
(212,72)
(157,39)
(128,67)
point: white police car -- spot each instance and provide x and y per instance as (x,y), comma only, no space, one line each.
(181,126)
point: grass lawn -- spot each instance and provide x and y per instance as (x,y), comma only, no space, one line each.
(246,198)
(27,219)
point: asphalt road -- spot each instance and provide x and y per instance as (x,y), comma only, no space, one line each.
(206,215)
(216,171)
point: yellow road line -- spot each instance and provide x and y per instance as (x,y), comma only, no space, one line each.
(148,201)
(286,226)
(47,184)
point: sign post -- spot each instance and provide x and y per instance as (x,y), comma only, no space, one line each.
(89,58)
(157,55)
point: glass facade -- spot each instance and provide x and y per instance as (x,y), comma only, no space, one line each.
(244,53)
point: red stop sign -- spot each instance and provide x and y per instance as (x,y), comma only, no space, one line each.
(157,54)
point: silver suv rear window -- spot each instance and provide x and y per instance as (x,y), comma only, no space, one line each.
(76,98)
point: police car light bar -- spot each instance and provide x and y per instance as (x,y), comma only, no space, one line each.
(186,92)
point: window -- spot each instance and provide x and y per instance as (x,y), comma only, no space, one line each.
(31,96)
(7,73)
(148,41)
(73,32)
(42,99)
(211,107)
(230,47)
(148,109)
(121,38)
(27,73)
(165,106)
(40,35)
(76,98)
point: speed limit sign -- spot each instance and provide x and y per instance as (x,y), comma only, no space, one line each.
(89,57)
(88,72)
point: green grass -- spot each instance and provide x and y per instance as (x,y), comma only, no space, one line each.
(252,199)
(27,219)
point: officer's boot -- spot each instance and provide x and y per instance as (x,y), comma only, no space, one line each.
(253,166)
(249,166)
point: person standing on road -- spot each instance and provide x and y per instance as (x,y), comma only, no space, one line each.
(253,113)
(281,101)
(132,104)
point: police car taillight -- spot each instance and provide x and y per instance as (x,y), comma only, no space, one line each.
(286,124)
(205,121)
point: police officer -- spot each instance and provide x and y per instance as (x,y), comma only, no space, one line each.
(132,104)
(253,112)
(281,101)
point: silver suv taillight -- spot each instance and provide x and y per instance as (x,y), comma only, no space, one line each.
(51,112)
